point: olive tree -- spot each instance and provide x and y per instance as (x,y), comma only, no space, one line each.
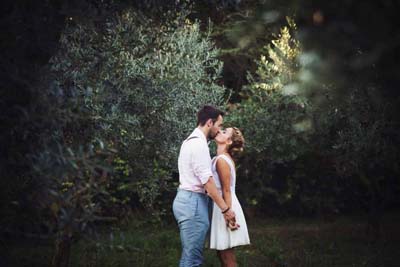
(274,116)
(127,89)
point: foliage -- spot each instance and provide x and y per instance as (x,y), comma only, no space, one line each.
(106,118)
(272,110)
(141,85)
(88,99)
(273,116)
(76,187)
(366,153)
(362,146)
(281,68)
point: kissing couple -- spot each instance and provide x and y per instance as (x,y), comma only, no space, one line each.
(202,180)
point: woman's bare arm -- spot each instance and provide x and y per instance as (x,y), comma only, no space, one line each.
(224,173)
(215,196)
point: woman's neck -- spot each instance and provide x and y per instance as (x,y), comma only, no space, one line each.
(221,149)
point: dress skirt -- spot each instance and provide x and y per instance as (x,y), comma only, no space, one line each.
(221,237)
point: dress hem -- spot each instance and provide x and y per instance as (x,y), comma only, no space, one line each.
(238,245)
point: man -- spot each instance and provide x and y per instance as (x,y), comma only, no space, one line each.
(190,206)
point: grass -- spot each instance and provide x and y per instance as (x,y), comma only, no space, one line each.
(275,243)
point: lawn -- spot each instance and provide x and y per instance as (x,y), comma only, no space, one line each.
(291,242)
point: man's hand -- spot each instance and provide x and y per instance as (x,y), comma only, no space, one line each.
(232,225)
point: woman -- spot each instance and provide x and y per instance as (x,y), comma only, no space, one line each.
(224,237)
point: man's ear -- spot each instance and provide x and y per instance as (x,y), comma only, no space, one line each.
(209,122)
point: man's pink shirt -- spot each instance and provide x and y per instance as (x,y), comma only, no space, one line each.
(194,162)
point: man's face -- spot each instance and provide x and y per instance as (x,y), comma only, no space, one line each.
(215,128)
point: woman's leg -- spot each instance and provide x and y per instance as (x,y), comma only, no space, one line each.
(228,258)
(220,258)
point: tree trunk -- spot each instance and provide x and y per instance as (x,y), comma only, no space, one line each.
(62,251)
(374,217)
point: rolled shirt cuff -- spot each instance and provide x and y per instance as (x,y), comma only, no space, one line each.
(204,178)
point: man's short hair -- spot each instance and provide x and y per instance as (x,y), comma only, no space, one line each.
(208,112)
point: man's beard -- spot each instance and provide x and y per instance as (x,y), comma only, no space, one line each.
(211,136)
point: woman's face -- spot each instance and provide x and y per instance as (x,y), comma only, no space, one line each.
(224,136)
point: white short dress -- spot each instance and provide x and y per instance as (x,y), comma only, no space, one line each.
(221,237)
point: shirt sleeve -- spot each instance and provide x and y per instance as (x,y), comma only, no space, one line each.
(201,161)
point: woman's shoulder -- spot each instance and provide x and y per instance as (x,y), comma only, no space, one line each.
(224,158)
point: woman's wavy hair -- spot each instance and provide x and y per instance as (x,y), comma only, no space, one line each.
(236,148)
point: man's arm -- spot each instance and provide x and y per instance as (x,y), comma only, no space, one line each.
(202,168)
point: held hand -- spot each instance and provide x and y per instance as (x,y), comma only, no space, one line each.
(232,225)
(230,216)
